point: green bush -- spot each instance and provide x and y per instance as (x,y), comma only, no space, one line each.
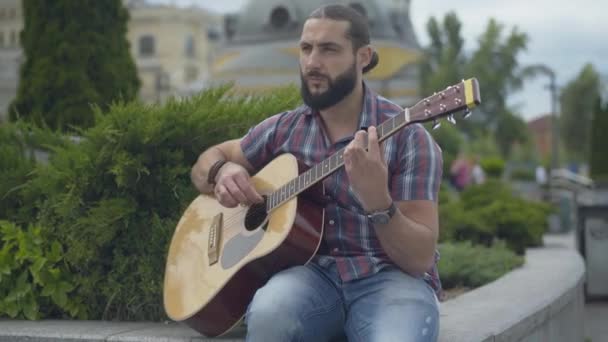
(16,166)
(463,264)
(523,174)
(490,211)
(113,199)
(479,196)
(19,143)
(493,167)
(518,222)
(34,281)
(458,224)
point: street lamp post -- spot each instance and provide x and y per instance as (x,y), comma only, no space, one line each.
(554,119)
(554,123)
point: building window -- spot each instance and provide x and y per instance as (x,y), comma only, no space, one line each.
(147,46)
(279,18)
(1,39)
(190,47)
(2,13)
(12,13)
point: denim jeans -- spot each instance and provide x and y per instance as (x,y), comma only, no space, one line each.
(310,303)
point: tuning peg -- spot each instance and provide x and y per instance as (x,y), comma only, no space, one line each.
(436,124)
(451,119)
(467,113)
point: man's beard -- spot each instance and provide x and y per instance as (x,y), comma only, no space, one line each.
(337,89)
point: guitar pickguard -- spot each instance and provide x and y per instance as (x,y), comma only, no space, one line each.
(239,246)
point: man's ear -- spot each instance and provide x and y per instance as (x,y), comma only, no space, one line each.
(365,54)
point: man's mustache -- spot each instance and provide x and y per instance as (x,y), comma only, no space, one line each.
(316,74)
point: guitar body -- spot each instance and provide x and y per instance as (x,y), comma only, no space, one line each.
(219,257)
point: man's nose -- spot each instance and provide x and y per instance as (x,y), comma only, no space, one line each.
(313,60)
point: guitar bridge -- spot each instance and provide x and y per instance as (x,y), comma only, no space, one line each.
(214,239)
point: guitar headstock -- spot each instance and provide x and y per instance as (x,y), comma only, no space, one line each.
(463,96)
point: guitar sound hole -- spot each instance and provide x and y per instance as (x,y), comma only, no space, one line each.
(256,216)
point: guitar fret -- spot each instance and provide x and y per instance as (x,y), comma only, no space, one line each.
(326,168)
(400,120)
(318,172)
(300,182)
(292,188)
(307,176)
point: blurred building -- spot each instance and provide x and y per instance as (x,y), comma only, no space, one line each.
(11,24)
(172,47)
(261,50)
(541,129)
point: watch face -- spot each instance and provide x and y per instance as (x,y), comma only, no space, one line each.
(380,218)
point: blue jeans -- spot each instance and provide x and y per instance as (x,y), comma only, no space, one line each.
(310,303)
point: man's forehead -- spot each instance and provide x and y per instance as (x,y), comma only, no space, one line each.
(325,30)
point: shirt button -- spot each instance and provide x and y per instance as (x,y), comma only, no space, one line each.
(331,222)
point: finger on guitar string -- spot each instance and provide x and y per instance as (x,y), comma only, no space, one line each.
(224,196)
(374,147)
(235,191)
(243,182)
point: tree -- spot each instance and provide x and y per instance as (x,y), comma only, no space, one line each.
(578,99)
(444,58)
(494,63)
(76,56)
(598,161)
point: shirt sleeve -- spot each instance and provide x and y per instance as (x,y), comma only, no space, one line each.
(420,166)
(258,144)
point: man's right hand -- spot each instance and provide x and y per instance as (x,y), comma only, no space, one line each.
(233,186)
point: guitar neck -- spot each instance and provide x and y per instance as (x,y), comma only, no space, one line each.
(462,96)
(323,169)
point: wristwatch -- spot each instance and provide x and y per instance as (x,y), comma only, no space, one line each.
(382,216)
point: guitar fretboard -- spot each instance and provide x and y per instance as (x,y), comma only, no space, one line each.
(329,165)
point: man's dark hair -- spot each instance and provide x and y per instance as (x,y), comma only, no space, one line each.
(358,31)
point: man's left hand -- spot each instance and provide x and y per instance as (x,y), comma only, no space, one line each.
(367,170)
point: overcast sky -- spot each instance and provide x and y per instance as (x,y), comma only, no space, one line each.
(563,35)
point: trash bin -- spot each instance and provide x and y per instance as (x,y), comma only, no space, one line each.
(592,240)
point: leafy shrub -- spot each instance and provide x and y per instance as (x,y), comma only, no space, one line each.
(20,143)
(478,196)
(523,174)
(16,166)
(34,281)
(113,199)
(457,224)
(463,264)
(518,222)
(490,211)
(493,167)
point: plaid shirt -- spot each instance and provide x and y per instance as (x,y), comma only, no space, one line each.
(414,163)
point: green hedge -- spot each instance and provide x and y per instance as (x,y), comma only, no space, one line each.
(493,167)
(490,212)
(113,199)
(464,264)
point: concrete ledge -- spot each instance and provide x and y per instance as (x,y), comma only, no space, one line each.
(541,301)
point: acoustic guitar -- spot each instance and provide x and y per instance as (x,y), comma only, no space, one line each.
(219,257)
